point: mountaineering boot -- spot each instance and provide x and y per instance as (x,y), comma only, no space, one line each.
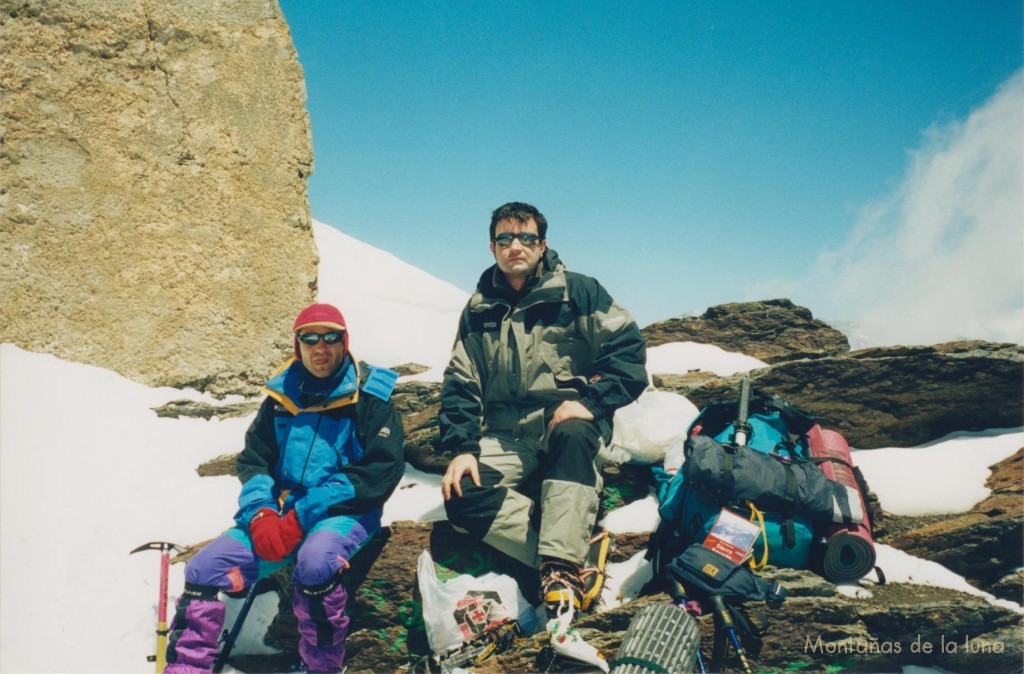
(323,625)
(195,631)
(561,586)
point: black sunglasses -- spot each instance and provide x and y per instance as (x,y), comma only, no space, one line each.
(312,338)
(526,238)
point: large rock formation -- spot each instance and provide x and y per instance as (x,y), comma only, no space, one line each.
(895,396)
(154,163)
(770,330)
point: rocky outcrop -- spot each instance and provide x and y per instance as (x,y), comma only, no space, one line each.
(878,397)
(419,404)
(200,410)
(986,544)
(770,330)
(154,213)
(895,396)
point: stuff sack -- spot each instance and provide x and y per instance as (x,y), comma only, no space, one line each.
(644,429)
(774,482)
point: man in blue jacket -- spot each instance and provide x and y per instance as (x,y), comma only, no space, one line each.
(322,456)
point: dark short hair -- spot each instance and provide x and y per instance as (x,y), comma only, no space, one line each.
(517,210)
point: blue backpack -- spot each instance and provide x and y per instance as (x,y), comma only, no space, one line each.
(775,427)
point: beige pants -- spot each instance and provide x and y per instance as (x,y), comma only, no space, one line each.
(518,478)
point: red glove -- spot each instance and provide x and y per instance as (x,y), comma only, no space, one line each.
(291,531)
(274,537)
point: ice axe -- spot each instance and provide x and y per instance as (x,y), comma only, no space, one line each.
(161,626)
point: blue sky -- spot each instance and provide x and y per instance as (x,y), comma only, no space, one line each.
(685,154)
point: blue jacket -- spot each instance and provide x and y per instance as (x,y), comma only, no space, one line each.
(337,451)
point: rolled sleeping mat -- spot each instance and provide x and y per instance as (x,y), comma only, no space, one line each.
(849,554)
(660,638)
(849,548)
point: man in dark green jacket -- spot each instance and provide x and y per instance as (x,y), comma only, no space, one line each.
(543,359)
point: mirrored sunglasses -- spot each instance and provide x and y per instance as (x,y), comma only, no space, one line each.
(526,238)
(312,338)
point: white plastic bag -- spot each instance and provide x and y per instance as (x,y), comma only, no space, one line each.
(644,429)
(457,610)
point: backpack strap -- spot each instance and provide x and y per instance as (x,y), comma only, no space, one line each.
(818,460)
(872,506)
(788,527)
(788,530)
(797,421)
(757,517)
(728,479)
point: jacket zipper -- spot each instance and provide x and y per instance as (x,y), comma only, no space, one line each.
(309,452)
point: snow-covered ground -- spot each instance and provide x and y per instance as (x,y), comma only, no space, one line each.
(88,472)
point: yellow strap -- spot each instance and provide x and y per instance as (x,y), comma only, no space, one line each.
(598,571)
(757,517)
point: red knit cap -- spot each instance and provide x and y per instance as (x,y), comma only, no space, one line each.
(324,315)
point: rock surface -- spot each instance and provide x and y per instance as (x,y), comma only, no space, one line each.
(419,404)
(896,396)
(986,544)
(150,191)
(769,330)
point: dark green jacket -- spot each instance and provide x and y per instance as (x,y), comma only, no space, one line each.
(519,355)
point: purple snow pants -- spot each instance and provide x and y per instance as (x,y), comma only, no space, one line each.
(230,564)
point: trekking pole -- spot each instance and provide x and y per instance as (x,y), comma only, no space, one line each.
(229,637)
(161,625)
(724,621)
(678,593)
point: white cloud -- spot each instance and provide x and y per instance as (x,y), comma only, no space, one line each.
(941,257)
